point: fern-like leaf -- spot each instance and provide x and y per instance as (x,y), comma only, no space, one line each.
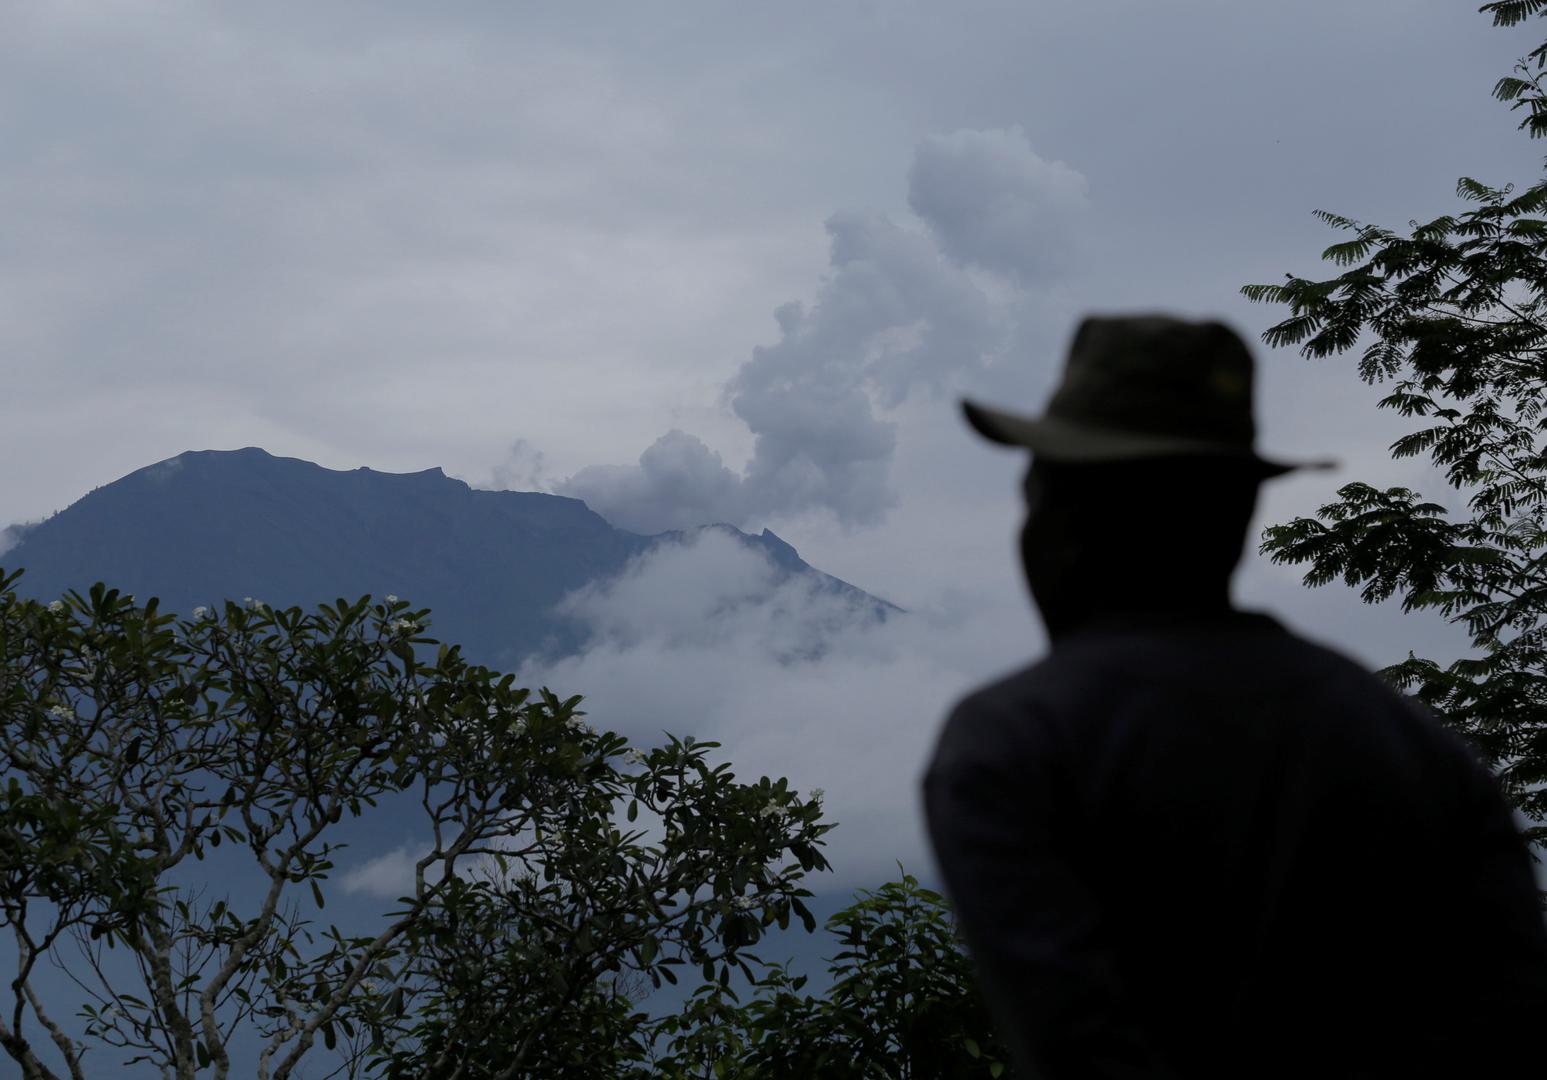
(1265,294)
(1511,12)
(1348,252)
(1337,221)
(1510,88)
(1472,191)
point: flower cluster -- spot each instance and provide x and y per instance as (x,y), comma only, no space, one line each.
(773,810)
(391,599)
(404,626)
(61,712)
(200,612)
(634,757)
(56,606)
(744,903)
(817,794)
(574,723)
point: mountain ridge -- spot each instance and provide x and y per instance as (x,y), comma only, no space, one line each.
(209,525)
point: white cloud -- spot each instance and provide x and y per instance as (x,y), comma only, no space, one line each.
(991,201)
(901,310)
(678,648)
(387,876)
(522,470)
(715,591)
(678,483)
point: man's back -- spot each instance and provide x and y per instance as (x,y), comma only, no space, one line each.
(1207,846)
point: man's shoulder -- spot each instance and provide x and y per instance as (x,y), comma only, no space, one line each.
(1010,692)
(1108,670)
(992,722)
(1238,650)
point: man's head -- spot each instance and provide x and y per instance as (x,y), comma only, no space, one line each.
(1144,473)
(1159,534)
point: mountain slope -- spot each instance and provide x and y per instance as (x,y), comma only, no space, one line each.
(210,525)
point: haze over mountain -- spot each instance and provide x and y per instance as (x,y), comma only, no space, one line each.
(493,566)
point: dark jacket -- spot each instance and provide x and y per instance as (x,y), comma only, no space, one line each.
(1198,847)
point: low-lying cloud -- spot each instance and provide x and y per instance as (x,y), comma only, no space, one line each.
(714,590)
(904,309)
(703,639)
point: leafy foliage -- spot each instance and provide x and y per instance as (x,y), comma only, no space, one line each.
(903,1006)
(1454,313)
(133,744)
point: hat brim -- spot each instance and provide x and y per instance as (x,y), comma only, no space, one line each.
(1055,439)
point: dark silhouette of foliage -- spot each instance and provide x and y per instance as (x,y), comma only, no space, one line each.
(903,1005)
(133,744)
(1453,312)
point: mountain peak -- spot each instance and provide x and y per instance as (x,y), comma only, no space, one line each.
(207,525)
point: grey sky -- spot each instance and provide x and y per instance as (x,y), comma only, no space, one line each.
(699,259)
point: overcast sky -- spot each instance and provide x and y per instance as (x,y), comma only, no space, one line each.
(702,261)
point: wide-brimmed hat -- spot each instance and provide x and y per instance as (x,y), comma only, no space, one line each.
(1144,386)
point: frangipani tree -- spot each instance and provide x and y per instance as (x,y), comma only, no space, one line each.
(134,744)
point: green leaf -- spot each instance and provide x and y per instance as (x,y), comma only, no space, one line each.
(1348,252)
(806,918)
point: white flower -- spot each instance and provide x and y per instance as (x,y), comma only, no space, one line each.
(391,599)
(56,606)
(817,794)
(403,626)
(247,600)
(774,810)
(744,903)
(259,605)
(61,712)
(200,611)
(634,757)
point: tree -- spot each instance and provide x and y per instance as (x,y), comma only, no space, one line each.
(903,1005)
(1454,311)
(135,744)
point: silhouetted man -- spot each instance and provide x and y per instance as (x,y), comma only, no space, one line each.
(1189,843)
